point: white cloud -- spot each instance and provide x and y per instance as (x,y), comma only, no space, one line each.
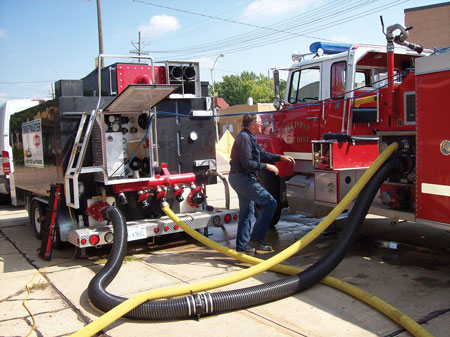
(264,8)
(2,33)
(340,38)
(159,25)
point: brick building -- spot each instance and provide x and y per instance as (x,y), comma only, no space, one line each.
(431,25)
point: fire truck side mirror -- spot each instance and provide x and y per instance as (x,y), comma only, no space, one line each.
(276,82)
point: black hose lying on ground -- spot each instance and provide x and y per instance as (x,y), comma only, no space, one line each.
(196,305)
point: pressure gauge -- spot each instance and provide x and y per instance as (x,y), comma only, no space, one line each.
(111,118)
(115,127)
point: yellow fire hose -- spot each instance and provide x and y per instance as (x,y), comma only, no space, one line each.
(260,266)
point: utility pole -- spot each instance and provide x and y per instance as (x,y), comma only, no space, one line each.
(100,32)
(51,92)
(139,45)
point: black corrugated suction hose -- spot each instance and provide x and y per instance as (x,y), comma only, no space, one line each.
(196,305)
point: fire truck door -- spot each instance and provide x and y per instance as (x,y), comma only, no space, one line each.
(332,110)
(300,123)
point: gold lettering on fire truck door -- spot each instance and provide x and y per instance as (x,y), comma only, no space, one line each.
(289,136)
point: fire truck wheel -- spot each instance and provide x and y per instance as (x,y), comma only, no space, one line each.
(36,217)
(271,183)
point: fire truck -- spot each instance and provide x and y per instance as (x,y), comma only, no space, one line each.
(345,103)
(129,135)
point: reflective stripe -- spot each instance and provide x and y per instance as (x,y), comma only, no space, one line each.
(443,190)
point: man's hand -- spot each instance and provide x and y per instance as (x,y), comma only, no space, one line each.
(272,168)
(288,158)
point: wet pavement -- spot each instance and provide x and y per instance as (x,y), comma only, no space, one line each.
(407,265)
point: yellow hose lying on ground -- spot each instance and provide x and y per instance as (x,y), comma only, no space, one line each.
(153,294)
(385,308)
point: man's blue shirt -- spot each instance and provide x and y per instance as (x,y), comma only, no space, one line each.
(247,156)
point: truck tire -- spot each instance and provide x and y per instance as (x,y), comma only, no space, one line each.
(36,217)
(271,183)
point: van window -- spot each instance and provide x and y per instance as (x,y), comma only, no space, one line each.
(305,86)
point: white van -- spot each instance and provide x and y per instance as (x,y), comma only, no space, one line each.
(6,166)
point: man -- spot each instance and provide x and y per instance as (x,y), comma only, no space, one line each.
(247,158)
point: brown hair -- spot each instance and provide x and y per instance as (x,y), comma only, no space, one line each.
(247,120)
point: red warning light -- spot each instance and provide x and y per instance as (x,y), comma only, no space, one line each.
(93,239)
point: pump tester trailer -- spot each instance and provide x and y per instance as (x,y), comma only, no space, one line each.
(130,135)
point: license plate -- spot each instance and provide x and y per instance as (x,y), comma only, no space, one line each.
(136,233)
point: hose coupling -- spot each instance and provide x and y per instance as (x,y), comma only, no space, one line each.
(196,197)
(122,198)
(161,193)
(178,192)
(404,145)
(202,303)
(143,198)
(97,210)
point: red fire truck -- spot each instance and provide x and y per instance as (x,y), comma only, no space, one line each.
(347,102)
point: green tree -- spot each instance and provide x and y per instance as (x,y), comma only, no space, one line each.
(236,89)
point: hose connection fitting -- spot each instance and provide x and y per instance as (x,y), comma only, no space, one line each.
(144,197)
(178,192)
(161,193)
(196,197)
(122,198)
(96,210)
(200,304)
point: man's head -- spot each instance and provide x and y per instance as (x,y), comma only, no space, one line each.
(252,123)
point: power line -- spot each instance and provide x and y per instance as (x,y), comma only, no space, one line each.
(26,82)
(222,19)
(271,38)
(257,34)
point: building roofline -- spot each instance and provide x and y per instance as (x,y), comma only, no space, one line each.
(426,7)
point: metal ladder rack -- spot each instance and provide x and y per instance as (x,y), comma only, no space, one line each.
(75,165)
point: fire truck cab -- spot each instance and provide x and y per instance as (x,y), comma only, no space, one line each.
(338,99)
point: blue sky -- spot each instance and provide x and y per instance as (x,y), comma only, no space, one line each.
(42,41)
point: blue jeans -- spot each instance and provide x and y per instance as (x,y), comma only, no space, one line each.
(249,192)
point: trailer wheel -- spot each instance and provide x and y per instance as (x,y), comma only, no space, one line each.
(271,183)
(36,217)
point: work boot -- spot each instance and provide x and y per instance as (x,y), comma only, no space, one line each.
(260,246)
(248,251)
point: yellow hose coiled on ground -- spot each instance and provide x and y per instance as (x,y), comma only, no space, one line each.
(260,266)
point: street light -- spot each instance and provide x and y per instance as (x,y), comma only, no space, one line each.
(212,72)
(213,103)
